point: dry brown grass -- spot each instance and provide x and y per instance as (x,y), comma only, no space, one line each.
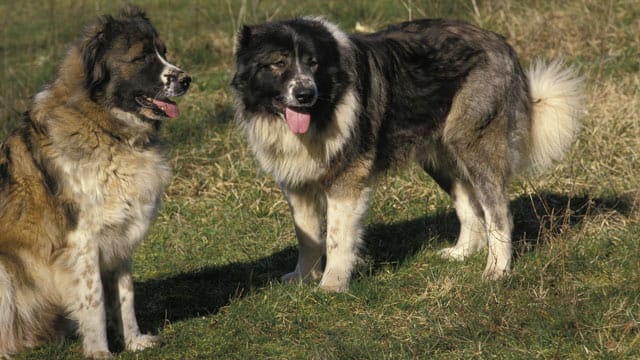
(208,272)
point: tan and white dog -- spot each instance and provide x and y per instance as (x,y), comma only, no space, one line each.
(80,181)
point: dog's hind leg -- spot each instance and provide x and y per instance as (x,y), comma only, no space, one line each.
(27,318)
(7,315)
(498,224)
(482,206)
(476,134)
(488,182)
(473,235)
(308,205)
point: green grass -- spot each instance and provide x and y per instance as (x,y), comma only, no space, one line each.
(207,276)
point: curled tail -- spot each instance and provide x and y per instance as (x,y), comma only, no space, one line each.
(558,103)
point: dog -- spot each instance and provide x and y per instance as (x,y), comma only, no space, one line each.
(80,180)
(326,113)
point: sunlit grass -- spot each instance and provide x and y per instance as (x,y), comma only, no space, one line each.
(207,276)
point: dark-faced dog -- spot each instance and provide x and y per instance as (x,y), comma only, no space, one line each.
(80,181)
(326,113)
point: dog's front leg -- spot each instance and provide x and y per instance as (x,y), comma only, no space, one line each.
(82,287)
(125,310)
(308,206)
(345,211)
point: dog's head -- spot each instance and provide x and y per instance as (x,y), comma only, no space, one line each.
(125,66)
(289,69)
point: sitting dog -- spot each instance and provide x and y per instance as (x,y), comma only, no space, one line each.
(80,181)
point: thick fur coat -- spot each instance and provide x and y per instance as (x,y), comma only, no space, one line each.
(326,113)
(80,181)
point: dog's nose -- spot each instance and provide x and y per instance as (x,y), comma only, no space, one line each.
(305,95)
(184,80)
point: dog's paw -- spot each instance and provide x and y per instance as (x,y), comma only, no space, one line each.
(336,288)
(454,253)
(491,274)
(334,285)
(296,277)
(95,355)
(142,342)
(291,277)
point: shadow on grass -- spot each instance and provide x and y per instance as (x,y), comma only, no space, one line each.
(200,293)
(537,218)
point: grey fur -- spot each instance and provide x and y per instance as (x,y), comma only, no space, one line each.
(446,94)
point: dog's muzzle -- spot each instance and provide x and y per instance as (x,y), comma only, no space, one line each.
(177,83)
(301,92)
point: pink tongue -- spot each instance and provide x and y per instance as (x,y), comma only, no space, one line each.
(298,122)
(170,109)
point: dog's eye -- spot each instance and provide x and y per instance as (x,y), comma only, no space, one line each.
(313,63)
(278,65)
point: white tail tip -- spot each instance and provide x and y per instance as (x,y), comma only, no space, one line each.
(558,105)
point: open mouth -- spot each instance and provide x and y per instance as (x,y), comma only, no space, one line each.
(164,107)
(298,118)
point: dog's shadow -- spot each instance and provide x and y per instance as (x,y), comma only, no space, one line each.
(204,292)
(537,218)
(187,295)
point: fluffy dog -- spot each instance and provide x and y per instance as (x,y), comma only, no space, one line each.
(326,113)
(80,181)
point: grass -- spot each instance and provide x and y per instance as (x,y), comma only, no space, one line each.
(207,276)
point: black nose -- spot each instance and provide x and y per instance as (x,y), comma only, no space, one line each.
(184,80)
(304,95)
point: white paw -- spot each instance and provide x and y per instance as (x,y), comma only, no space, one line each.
(295,276)
(334,288)
(334,284)
(97,355)
(142,342)
(491,274)
(454,253)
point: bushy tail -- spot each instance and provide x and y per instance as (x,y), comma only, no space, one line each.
(558,104)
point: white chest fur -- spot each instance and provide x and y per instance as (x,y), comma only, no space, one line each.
(117,190)
(295,159)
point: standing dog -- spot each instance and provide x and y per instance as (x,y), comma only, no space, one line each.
(325,113)
(80,181)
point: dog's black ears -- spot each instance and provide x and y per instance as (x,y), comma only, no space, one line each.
(244,37)
(242,42)
(93,46)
